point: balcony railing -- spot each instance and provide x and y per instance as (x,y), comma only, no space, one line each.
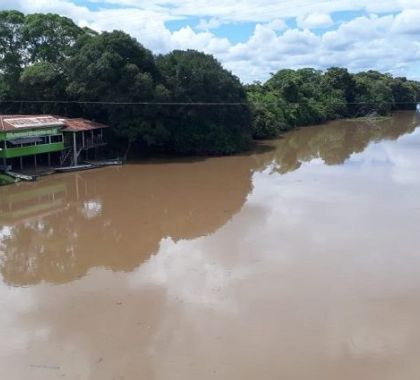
(93,142)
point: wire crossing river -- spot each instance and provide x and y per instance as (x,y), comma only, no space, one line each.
(299,260)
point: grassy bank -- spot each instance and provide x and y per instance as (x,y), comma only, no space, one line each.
(6,180)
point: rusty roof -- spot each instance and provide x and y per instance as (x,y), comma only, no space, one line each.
(80,125)
(18,122)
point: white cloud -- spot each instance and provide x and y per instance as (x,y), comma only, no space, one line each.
(408,21)
(277,25)
(315,20)
(64,7)
(386,42)
(212,23)
(262,11)
(186,38)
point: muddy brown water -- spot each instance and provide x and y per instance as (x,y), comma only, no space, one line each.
(300,260)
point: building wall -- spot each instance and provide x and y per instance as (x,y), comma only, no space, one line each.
(31,150)
(13,152)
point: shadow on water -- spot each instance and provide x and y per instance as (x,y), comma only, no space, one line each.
(255,149)
(56,230)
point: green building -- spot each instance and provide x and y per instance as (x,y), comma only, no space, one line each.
(28,141)
(29,137)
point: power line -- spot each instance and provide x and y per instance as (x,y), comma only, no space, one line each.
(201,104)
(126,103)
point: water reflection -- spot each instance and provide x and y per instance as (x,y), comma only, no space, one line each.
(335,142)
(115,218)
(57,229)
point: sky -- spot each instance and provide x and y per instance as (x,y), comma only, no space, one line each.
(254,38)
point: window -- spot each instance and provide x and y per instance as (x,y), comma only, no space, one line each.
(56,139)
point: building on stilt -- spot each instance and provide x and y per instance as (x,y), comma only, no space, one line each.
(29,143)
(83,139)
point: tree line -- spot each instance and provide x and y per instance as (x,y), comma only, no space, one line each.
(47,57)
(292,98)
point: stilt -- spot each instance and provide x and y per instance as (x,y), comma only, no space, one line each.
(74,149)
(35,163)
(49,159)
(21,163)
(4,158)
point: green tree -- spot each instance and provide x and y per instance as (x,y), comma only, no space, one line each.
(11,50)
(340,79)
(42,81)
(267,106)
(404,94)
(194,77)
(113,67)
(49,37)
(373,93)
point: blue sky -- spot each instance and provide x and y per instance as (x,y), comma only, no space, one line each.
(253,38)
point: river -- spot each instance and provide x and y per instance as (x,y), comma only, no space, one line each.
(299,260)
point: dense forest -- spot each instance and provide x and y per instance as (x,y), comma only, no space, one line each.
(183,102)
(292,98)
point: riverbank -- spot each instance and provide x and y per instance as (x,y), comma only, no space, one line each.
(370,118)
(6,180)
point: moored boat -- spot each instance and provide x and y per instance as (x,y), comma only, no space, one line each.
(111,162)
(67,169)
(21,176)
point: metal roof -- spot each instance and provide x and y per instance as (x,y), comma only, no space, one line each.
(80,125)
(17,122)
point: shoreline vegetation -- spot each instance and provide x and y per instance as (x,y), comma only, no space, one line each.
(370,118)
(183,102)
(6,180)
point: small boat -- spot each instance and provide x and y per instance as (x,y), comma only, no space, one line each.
(46,172)
(102,163)
(76,168)
(21,176)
